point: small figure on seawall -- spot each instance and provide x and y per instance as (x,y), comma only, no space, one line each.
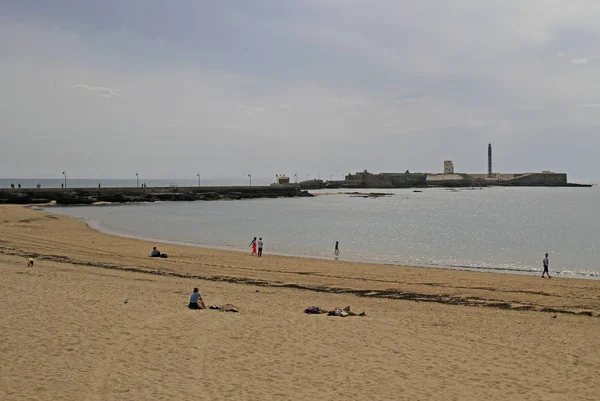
(546,263)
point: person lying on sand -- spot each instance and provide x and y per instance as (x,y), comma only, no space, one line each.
(344,312)
(335,312)
(196,301)
(315,310)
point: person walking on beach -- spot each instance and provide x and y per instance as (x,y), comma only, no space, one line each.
(336,251)
(260,246)
(253,245)
(545,263)
(196,301)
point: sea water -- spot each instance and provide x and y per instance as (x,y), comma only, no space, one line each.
(489,229)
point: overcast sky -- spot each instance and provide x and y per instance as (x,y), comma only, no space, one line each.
(169,88)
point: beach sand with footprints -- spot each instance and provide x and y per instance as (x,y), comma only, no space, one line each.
(96,319)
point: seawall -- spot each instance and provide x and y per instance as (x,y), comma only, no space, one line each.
(87,196)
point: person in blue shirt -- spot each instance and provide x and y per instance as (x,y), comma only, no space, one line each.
(196,301)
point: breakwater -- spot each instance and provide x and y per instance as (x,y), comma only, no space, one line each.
(88,196)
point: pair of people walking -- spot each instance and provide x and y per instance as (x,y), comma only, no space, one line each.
(257,247)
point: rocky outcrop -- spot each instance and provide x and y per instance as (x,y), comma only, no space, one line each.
(88,196)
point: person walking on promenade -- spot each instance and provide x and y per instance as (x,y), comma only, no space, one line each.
(545,263)
(260,246)
(253,245)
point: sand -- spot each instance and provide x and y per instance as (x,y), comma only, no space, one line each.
(66,332)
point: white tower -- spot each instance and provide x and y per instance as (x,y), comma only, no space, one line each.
(448,167)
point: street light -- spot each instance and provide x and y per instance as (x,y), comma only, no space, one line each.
(137,180)
(198,179)
(250,178)
(65,174)
(296,177)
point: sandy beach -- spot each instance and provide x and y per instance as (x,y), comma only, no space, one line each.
(66,332)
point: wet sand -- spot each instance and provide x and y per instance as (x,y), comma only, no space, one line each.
(66,332)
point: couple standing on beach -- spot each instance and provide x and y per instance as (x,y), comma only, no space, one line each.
(257,244)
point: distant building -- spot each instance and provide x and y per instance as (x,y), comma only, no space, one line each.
(448,167)
(365,179)
(283,179)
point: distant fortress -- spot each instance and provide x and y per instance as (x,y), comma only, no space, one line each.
(448,178)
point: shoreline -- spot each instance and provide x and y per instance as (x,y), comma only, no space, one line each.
(96,316)
(477,288)
(101,228)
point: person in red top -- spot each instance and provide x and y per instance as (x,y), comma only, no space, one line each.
(253,245)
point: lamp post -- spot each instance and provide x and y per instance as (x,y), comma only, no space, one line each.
(276,178)
(306,177)
(330,175)
(65,174)
(296,177)
(137,180)
(198,179)
(250,179)
(318,178)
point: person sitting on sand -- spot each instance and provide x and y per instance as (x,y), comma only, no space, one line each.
(155,253)
(30,262)
(196,301)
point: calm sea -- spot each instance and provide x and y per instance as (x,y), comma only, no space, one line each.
(491,229)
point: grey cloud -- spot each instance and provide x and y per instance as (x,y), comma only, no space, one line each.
(403,83)
(102,91)
(579,61)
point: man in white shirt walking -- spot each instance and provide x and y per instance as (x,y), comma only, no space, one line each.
(260,246)
(545,263)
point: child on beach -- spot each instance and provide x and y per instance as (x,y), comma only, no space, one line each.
(260,246)
(253,245)
(30,262)
(196,301)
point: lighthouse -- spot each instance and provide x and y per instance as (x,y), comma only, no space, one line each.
(489,160)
